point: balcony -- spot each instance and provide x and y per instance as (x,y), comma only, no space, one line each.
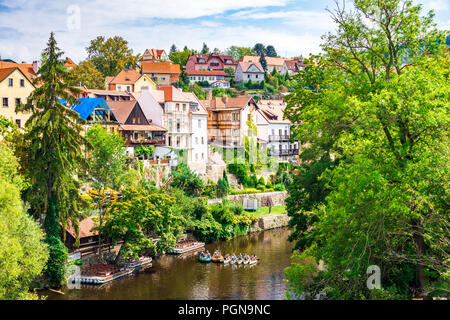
(278,138)
(284,152)
(155,142)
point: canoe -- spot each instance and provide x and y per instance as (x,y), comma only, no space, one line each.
(205,259)
(227,260)
(245,261)
(253,262)
(218,259)
(233,261)
(239,261)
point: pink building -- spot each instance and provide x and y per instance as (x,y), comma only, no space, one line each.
(212,61)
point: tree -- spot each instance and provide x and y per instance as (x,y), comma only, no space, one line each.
(54,153)
(385,124)
(185,179)
(107,161)
(262,60)
(205,49)
(23,253)
(86,74)
(180,57)
(111,55)
(173,48)
(238,52)
(259,49)
(270,51)
(141,213)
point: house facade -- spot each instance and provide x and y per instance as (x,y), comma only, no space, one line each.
(212,61)
(134,126)
(155,55)
(162,73)
(292,67)
(274,130)
(186,123)
(247,71)
(272,62)
(205,75)
(15,87)
(131,80)
(228,120)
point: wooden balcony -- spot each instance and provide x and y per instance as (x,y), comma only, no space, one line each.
(278,138)
(284,152)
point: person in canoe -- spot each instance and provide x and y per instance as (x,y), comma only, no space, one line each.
(233,259)
(226,259)
(217,257)
(246,259)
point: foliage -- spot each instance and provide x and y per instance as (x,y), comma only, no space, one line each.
(141,214)
(56,267)
(270,51)
(23,253)
(369,105)
(185,179)
(53,148)
(86,74)
(262,60)
(112,55)
(180,57)
(195,88)
(146,151)
(238,52)
(205,49)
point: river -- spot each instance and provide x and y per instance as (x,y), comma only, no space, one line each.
(183,277)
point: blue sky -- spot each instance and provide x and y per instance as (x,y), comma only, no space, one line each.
(294,27)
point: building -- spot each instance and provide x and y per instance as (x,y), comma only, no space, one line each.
(108,95)
(274,130)
(130,80)
(95,111)
(88,238)
(134,126)
(212,61)
(186,123)
(155,55)
(15,87)
(162,73)
(220,84)
(28,69)
(292,67)
(69,64)
(272,62)
(210,76)
(247,71)
(228,119)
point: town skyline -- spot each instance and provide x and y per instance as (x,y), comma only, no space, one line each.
(292,27)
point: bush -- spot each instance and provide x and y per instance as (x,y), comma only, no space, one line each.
(185,179)
(279,187)
(55,269)
(262,181)
(269,185)
(203,84)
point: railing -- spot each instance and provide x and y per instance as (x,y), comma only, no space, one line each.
(148,141)
(284,152)
(278,138)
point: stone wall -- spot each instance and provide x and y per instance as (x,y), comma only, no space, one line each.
(274,221)
(157,173)
(278,198)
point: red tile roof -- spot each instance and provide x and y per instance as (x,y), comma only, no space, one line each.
(245,65)
(69,63)
(225,102)
(126,76)
(160,67)
(26,68)
(85,226)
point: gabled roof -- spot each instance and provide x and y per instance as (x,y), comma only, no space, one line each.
(272,61)
(294,65)
(153,54)
(26,68)
(126,76)
(85,226)
(173,94)
(273,111)
(246,65)
(239,102)
(69,63)
(122,109)
(5,72)
(86,106)
(160,67)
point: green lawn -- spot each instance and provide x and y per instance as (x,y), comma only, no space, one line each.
(264,211)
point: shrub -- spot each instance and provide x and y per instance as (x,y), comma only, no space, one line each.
(261,181)
(279,187)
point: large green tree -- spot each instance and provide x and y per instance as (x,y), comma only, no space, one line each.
(86,74)
(54,153)
(23,253)
(111,55)
(107,163)
(237,52)
(380,126)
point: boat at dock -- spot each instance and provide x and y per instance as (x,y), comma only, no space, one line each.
(138,263)
(186,246)
(102,273)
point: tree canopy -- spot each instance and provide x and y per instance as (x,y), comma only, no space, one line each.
(375,132)
(86,74)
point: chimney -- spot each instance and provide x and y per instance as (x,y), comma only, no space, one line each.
(36,66)
(209,95)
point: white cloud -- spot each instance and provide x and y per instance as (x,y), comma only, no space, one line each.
(437,5)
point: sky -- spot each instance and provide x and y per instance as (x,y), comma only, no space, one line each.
(293,27)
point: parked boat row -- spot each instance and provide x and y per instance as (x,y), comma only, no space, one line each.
(228,259)
(187,246)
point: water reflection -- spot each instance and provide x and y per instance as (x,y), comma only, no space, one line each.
(183,277)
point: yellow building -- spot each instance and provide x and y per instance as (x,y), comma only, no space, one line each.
(15,87)
(130,80)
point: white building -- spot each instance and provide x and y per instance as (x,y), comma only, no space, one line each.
(246,71)
(205,75)
(274,130)
(185,120)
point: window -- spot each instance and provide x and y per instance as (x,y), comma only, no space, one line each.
(170,125)
(128,88)
(203,140)
(196,140)
(199,123)
(10,82)
(18,122)
(256,76)
(248,76)
(196,157)
(178,125)
(184,107)
(119,88)
(17,102)
(22,83)
(177,107)
(5,102)
(203,156)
